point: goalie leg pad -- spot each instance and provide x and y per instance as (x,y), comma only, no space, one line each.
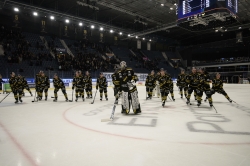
(135,100)
(125,100)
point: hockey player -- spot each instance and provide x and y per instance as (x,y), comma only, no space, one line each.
(88,84)
(157,86)
(16,87)
(78,83)
(25,85)
(181,83)
(150,84)
(217,86)
(102,84)
(165,83)
(116,82)
(204,86)
(58,84)
(127,78)
(44,85)
(192,81)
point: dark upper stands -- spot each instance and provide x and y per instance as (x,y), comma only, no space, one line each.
(25,53)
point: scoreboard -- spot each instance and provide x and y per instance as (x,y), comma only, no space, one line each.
(190,8)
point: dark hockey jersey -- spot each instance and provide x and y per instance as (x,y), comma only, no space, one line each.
(101,82)
(125,76)
(204,80)
(58,83)
(150,81)
(181,80)
(43,81)
(78,82)
(88,80)
(165,82)
(193,80)
(217,84)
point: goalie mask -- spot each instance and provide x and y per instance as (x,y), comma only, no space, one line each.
(123,64)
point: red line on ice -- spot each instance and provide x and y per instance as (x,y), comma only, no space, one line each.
(19,146)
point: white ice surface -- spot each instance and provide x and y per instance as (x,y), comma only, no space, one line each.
(62,133)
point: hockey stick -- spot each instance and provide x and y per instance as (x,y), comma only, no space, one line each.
(170,98)
(72,96)
(215,109)
(234,101)
(35,98)
(111,117)
(94,98)
(4,97)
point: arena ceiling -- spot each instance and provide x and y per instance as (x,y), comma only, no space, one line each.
(135,15)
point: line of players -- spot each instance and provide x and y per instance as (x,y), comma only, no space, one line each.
(123,80)
(197,82)
(17,85)
(79,84)
(42,84)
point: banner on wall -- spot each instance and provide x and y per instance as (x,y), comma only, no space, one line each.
(239,37)
(138,44)
(148,46)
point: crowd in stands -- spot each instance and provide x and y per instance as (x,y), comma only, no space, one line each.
(83,61)
(143,62)
(17,48)
(86,55)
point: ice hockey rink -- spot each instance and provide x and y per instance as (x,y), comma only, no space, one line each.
(63,133)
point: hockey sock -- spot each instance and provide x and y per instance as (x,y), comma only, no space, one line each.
(210,100)
(172,95)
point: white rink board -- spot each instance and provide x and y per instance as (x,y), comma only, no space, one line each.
(71,133)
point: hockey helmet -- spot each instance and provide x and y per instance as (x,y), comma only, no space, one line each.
(123,64)
(12,73)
